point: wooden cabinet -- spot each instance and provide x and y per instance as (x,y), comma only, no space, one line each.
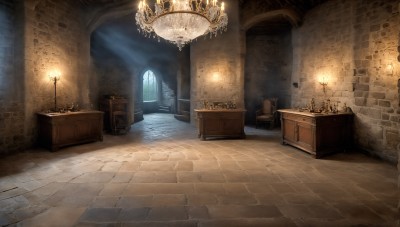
(116,115)
(221,123)
(63,129)
(317,134)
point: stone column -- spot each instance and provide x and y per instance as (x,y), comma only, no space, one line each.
(217,66)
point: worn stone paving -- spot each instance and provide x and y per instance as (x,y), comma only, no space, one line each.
(161,174)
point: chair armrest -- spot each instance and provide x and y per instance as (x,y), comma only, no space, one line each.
(258,112)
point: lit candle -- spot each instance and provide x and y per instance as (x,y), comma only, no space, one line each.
(222,6)
(173,2)
(140,5)
(158,2)
(207,2)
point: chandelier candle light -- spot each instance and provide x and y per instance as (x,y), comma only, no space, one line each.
(181,21)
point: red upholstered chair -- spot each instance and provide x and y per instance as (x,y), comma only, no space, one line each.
(268,112)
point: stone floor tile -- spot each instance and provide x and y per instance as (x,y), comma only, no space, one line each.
(113,189)
(95,177)
(235,188)
(259,187)
(122,177)
(135,201)
(157,166)
(236,199)
(282,188)
(206,177)
(361,212)
(169,200)
(133,214)
(130,166)
(100,215)
(111,166)
(253,222)
(236,176)
(198,212)
(269,198)
(209,188)
(187,223)
(228,165)
(104,201)
(205,165)
(169,213)
(5,219)
(202,199)
(238,211)
(158,188)
(56,216)
(183,165)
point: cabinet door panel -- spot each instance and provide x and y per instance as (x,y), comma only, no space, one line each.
(305,135)
(213,126)
(65,133)
(289,129)
(231,126)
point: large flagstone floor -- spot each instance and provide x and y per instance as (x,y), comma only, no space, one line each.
(161,174)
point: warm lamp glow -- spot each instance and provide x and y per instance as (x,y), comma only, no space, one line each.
(54,76)
(389,69)
(324,82)
(215,77)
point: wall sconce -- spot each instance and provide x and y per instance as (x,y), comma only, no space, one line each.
(55,76)
(389,69)
(216,77)
(324,83)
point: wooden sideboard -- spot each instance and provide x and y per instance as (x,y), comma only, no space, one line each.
(63,129)
(220,123)
(317,134)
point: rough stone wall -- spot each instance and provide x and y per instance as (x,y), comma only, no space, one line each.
(351,44)
(55,40)
(11,94)
(268,71)
(217,65)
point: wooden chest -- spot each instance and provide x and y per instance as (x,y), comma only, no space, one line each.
(63,129)
(221,123)
(317,134)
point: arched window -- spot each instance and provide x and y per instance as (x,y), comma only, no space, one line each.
(149,86)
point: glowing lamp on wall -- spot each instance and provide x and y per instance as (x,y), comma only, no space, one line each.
(215,77)
(324,82)
(389,69)
(55,76)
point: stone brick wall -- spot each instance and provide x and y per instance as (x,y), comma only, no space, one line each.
(55,39)
(217,65)
(11,96)
(268,71)
(351,44)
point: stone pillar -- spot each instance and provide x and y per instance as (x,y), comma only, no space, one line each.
(217,65)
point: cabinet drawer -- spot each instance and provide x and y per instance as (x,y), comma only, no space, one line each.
(299,118)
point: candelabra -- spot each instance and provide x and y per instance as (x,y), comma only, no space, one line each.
(55,77)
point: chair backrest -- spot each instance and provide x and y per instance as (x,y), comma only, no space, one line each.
(269,106)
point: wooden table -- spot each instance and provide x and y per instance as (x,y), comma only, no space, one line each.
(220,123)
(63,129)
(315,133)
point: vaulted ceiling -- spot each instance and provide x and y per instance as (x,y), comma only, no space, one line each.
(249,8)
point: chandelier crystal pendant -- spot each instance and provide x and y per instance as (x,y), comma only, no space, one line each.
(181,21)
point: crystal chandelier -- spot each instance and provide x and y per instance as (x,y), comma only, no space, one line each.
(181,21)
